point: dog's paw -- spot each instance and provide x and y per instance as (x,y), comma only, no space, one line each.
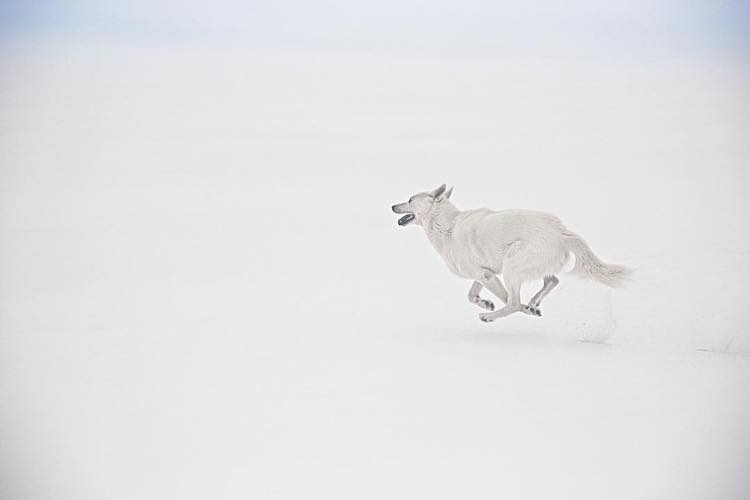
(531,310)
(486,318)
(486,304)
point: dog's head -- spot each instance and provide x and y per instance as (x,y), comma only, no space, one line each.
(420,205)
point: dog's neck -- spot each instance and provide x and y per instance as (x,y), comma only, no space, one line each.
(438,223)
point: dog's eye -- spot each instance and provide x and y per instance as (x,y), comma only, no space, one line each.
(411,199)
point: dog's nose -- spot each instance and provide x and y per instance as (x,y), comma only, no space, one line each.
(393,207)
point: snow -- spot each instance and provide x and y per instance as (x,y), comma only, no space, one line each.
(204,293)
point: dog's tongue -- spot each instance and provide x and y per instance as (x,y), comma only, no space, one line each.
(405,219)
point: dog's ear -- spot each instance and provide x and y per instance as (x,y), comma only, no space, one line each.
(448,194)
(436,193)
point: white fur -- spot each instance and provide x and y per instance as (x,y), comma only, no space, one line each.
(519,245)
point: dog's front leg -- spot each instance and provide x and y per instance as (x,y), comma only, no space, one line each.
(512,304)
(474,297)
(493,284)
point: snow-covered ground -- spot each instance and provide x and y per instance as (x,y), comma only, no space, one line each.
(203,293)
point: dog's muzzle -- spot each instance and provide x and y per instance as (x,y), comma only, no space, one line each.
(402,208)
(406,219)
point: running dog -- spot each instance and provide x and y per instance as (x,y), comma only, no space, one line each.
(519,245)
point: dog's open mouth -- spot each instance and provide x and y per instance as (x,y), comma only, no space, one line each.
(405,219)
(403,208)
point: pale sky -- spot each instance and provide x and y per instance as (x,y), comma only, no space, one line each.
(614,26)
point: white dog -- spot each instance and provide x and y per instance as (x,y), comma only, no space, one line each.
(519,245)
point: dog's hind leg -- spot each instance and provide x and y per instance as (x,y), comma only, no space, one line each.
(550,282)
(492,283)
(474,297)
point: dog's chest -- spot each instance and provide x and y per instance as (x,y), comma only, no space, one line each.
(457,256)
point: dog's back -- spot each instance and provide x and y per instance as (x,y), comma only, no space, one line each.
(528,243)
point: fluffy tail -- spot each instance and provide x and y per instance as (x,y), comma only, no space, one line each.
(588,265)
